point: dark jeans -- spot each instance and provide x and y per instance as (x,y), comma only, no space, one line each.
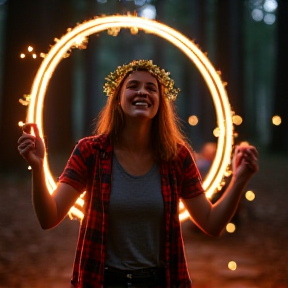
(147,277)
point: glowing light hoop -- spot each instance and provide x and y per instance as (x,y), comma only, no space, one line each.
(210,75)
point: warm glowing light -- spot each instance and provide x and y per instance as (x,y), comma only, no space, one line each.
(26,100)
(81,42)
(29,168)
(230,227)
(22,55)
(183,213)
(20,123)
(228,173)
(276,120)
(30,49)
(190,49)
(232,265)
(216,132)
(244,143)
(250,195)
(193,120)
(114,31)
(134,30)
(237,120)
(34,56)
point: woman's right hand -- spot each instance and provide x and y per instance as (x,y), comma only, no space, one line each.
(31,147)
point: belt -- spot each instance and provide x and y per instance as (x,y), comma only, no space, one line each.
(139,277)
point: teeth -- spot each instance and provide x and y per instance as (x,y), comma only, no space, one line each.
(141,104)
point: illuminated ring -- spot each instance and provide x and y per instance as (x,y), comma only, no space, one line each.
(212,78)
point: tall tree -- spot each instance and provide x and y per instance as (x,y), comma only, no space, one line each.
(29,23)
(279,139)
(229,51)
(17,78)
(3,13)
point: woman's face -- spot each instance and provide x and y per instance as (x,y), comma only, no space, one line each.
(140,96)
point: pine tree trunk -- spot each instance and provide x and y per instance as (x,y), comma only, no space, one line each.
(279,138)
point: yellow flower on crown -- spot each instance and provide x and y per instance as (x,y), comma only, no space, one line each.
(115,78)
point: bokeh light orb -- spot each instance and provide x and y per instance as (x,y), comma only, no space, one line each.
(250,195)
(232,265)
(193,120)
(230,227)
(276,120)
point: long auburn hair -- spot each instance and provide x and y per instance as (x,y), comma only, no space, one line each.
(166,128)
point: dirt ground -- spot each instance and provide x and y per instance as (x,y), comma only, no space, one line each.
(33,258)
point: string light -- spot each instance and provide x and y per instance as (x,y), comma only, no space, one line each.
(134,30)
(192,51)
(237,120)
(29,49)
(25,100)
(217,132)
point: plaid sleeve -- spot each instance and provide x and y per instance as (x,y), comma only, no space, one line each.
(191,180)
(75,171)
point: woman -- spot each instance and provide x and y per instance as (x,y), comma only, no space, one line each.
(130,234)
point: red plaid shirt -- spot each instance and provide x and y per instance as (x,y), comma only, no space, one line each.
(90,168)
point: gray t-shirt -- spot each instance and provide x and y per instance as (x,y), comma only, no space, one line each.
(136,223)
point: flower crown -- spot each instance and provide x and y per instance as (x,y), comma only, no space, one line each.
(115,78)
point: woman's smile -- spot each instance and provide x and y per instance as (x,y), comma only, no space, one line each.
(141,91)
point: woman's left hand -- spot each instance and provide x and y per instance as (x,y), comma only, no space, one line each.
(245,161)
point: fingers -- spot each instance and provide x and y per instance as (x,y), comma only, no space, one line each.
(24,148)
(250,157)
(238,156)
(27,141)
(28,128)
(246,155)
(250,153)
(247,151)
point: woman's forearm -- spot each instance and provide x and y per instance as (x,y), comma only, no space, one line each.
(224,209)
(44,204)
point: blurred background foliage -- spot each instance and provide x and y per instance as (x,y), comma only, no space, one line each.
(246,40)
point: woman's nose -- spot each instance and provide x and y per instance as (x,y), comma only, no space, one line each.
(142,92)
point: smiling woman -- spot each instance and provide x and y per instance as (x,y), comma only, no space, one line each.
(134,170)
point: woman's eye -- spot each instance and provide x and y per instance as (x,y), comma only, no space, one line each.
(151,88)
(132,87)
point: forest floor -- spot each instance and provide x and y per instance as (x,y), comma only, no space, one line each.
(33,258)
